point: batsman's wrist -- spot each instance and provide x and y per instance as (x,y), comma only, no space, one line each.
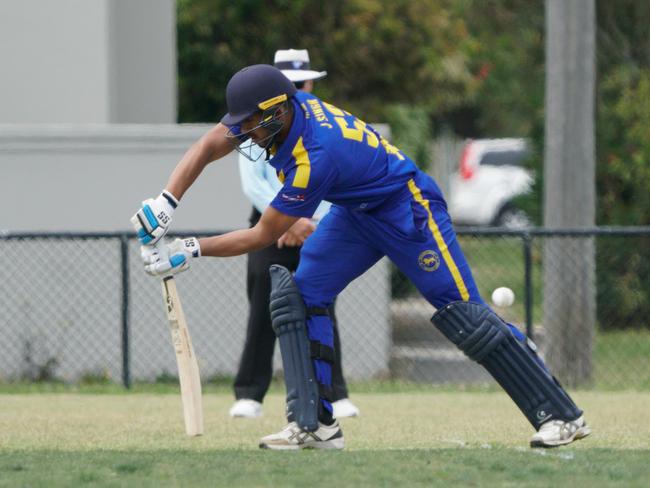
(192,246)
(171,199)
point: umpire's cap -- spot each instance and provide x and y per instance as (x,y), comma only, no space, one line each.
(256,87)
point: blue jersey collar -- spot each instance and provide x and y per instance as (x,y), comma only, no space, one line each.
(283,154)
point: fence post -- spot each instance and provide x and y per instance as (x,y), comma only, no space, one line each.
(527,240)
(126,367)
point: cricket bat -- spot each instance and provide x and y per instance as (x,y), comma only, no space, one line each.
(188,367)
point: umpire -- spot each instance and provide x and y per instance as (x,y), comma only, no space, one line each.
(260,184)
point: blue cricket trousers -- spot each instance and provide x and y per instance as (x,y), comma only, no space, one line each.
(413,229)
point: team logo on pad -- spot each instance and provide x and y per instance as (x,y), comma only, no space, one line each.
(429,260)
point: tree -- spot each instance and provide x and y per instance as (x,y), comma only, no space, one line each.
(377,52)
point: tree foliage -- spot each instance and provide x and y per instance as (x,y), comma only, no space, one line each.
(474,66)
(624,112)
(376,52)
(623,163)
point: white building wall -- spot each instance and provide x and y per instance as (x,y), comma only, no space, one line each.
(94,177)
(143,61)
(94,61)
(54,61)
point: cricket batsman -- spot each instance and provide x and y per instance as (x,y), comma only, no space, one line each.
(383,205)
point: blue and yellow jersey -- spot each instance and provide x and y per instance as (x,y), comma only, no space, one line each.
(331,155)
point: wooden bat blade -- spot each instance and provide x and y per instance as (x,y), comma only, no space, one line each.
(188,367)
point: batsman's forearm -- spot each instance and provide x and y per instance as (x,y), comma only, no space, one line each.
(234,243)
(187,171)
(212,146)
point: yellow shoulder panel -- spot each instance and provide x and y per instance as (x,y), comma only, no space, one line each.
(303,165)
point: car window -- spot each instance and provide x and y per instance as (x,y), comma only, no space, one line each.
(504,158)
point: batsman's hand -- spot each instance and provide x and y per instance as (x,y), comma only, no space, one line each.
(170,258)
(152,221)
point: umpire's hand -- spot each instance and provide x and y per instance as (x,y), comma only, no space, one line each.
(297,233)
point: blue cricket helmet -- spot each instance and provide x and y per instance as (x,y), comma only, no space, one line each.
(255,88)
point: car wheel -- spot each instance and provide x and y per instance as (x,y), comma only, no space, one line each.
(512,217)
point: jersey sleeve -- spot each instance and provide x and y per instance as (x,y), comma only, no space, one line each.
(306,185)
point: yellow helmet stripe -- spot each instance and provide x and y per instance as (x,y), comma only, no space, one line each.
(272,101)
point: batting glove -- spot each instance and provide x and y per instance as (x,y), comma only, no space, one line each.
(169,259)
(152,221)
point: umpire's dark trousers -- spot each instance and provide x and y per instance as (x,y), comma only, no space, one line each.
(256,364)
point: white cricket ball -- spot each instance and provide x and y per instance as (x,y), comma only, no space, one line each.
(503,297)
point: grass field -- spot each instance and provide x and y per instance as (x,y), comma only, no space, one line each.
(411,438)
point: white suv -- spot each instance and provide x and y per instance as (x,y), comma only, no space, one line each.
(490,175)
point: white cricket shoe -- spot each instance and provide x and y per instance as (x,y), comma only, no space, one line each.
(559,432)
(246,408)
(344,408)
(293,437)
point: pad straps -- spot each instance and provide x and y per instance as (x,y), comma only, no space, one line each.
(318,311)
(321,351)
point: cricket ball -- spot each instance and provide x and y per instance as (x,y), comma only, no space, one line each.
(503,297)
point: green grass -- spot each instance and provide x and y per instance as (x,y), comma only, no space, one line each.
(224,386)
(621,362)
(416,467)
(421,438)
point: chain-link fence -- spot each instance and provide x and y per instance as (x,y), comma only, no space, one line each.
(79,307)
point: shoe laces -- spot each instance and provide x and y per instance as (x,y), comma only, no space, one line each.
(565,427)
(291,426)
